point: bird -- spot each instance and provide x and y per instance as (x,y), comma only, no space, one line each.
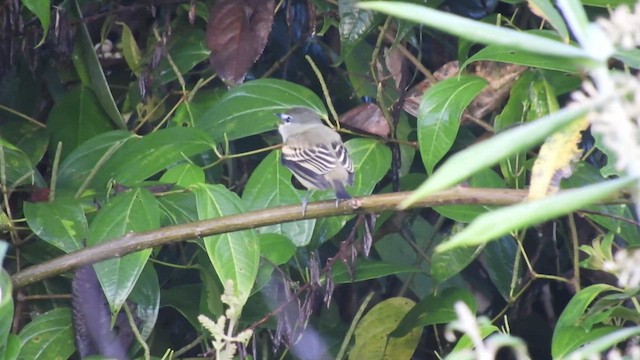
(315,153)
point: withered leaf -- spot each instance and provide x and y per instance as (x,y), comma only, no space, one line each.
(367,118)
(237,34)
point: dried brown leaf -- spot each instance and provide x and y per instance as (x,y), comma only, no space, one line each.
(237,34)
(501,78)
(366,118)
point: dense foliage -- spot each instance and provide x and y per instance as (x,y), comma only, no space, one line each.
(146,214)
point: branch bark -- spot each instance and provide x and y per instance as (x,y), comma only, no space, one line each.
(372,204)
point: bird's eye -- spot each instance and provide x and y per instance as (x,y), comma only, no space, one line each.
(286,119)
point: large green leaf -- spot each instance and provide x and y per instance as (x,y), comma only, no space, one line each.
(187,306)
(61,223)
(440,113)
(434,309)
(490,226)
(369,269)
(399,248)
(250,108)
(48,336)
(270,186)
(146,295)
(546,10)
(235,256)
(489,152)
(140,158)
(75,118)
(486,178)
(499,260)
(372,333)
(568,334)
(133,211)
(445,265)
(521,57)
(183,175)
(90,71)
(478,31)
(178,208)
(186,49)
(90,157)
(371,160)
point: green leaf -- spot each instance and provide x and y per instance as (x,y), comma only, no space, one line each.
(75,118)
(357,61)
(276,248)
(477,31)
(141,158)
(447,264)
(61,223)
(547,11)
(576,19)
(466,342)
(235,256)
(608,3)
(434,309)
(568,335)
(399,248)
(372,333)
(178,208)
(354,21)
(500,222)
(41,9)
(15,166)
(12,348)
(187,50)
(133,211)
(29,138)
(601,344)
(250,108)
(369,269)
(499,259)
(176,297)
(486,178)
(371,161)
(270,186)
(48,336)
(130,49)
(489,152)
(183,175)
(89,157)
(146,295)
(440,113)
(6,303)
(523,57)
(86,62)
(514,113)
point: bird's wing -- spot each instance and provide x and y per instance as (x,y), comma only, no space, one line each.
(343,158)
(309,164)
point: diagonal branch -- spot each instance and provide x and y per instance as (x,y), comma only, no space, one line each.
(372,204)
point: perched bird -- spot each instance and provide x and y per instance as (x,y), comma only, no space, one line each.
(315,153)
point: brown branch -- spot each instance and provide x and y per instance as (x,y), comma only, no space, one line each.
(171,234)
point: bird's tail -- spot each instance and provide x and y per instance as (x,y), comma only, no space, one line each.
(341,192)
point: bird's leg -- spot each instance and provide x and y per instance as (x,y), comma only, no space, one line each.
(305,201)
